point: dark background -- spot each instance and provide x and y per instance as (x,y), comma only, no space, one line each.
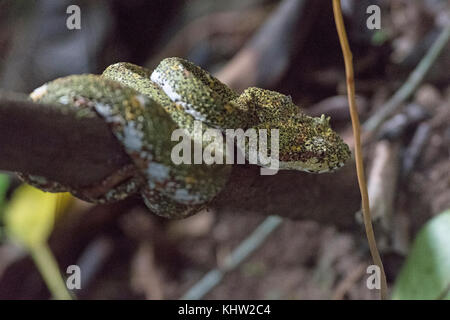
(135,255)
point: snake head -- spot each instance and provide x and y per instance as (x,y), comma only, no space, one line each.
(305,143)
(310,144)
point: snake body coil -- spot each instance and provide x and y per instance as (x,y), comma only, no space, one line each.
(143,108)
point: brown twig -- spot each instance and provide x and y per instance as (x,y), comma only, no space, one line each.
(356,133)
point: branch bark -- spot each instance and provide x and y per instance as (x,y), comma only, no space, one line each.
(45,140)
(329,198)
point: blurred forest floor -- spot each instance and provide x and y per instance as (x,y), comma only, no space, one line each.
(126,253)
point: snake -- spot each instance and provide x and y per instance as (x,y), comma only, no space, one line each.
(143,107)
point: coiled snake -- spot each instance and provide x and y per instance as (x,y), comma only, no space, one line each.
(143,108)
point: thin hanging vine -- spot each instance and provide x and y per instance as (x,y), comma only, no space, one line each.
(357,136)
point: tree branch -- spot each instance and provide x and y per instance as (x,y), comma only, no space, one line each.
(44,140)
(329,198)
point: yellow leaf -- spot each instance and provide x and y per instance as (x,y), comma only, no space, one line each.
(30,215)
